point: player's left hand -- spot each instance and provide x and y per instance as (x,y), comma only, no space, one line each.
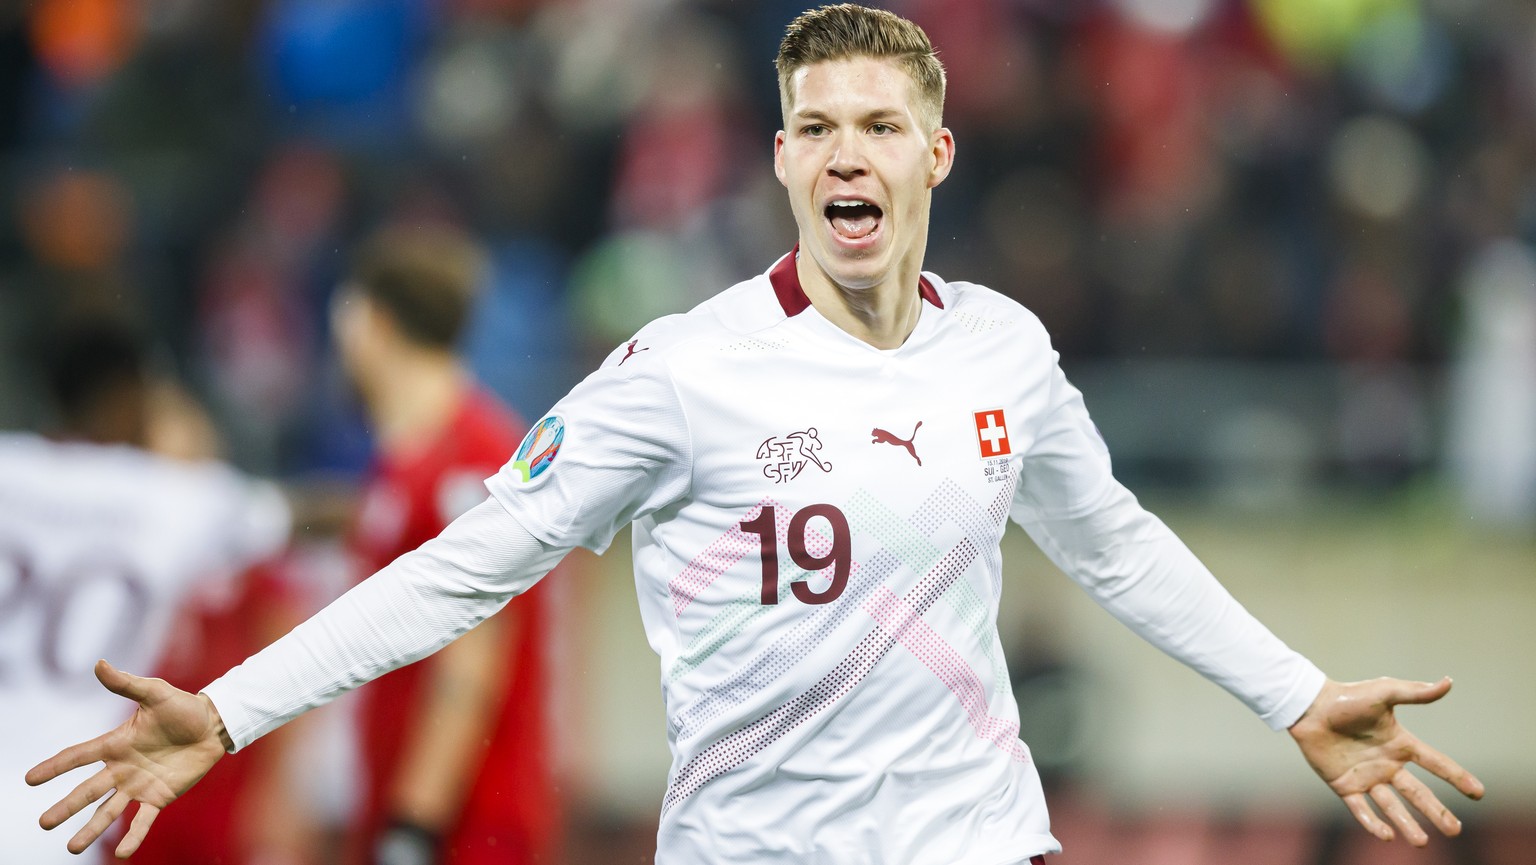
(1353,741)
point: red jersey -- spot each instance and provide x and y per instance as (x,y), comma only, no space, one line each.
(509,814)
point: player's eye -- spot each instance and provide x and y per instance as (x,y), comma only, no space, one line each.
(882,128)
(814,130)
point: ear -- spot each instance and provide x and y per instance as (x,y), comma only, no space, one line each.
(778,156)
(943,150)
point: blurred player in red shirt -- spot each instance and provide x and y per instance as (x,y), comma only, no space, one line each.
(455,747)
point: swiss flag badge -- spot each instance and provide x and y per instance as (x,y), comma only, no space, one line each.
(992,433)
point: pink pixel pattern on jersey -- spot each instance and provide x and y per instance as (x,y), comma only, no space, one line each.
(720,556)
(905,623)
(740,746)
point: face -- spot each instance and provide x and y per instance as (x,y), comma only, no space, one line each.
(859,166)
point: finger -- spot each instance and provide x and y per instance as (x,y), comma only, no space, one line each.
(133,687)
(67,760)
(93,788)
(1366,817)
(99,822)
(137,830)
(1397,812)
(1402,691)
(1446,769)
(1422,798)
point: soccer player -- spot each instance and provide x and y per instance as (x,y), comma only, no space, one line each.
(818,463)
(100,541)
(455,748)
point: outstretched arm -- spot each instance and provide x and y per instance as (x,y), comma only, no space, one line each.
(1351,738)
(413,607)
(170,742)
(1137,569)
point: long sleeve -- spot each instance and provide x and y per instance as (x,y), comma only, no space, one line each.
(1137,568)
(414,606)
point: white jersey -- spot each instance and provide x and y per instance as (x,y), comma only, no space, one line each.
(816,545)
(98,545)
(816,531)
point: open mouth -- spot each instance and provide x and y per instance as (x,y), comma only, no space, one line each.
(853,220)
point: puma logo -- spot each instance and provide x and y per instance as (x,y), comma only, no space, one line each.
(880,436)
(632,351)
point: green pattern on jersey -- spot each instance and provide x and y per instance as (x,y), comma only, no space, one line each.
(917,553)
(732,619)
(868,515)
(962,598)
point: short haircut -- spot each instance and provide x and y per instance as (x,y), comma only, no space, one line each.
(846,31)
(92,359)
(425,277)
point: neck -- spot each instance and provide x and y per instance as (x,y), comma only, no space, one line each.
(414,397)
(883,315)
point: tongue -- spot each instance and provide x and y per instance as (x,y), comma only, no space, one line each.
(855,226)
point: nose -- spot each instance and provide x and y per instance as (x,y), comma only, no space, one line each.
(848,160)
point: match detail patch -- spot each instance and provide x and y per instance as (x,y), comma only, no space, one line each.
(539,448)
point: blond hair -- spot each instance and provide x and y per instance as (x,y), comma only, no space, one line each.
(846,31)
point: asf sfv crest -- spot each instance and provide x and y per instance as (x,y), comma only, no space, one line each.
(787,456)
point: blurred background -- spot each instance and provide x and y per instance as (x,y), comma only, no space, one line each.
(1287,248)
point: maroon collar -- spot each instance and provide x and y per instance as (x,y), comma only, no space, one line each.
(786,284)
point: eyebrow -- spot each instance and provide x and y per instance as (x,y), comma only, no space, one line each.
(872,116)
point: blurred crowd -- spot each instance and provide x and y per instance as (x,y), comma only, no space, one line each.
(1338,183)
(1313,180)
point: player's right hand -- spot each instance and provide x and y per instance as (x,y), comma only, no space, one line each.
(171,742)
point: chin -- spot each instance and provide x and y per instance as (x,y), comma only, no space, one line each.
(860,281)
(855,274)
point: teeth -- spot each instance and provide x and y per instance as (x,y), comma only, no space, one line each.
(847,203)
